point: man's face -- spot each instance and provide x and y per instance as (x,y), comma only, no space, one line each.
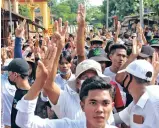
(97,107)
(12,77)
(118,58)
(96,45)
(64,65)
(84,76)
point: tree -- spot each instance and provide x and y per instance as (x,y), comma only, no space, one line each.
(24,11)
(123,8)
(95,16)
(120,8)
(66,9)
(152,5)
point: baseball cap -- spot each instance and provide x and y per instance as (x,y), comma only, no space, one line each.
(84,66)
(140,68)
(146,51)
(18,65)
(98,54)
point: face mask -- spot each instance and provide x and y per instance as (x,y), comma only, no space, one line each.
(65,73)
(11,82)
(127,86)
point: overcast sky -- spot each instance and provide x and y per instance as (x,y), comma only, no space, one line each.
(96,2)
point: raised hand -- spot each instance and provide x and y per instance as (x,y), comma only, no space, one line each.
(155,63)
(136,49)
(48,60)
(3,54)
(60,32)
(119,25)
(81,15)
(139,29)
(19,32)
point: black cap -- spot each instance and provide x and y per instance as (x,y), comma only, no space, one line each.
(98,54)
(18,65)
(146,51)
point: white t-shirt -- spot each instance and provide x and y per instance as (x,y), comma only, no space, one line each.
(8,92)
(108,72)
(26,118)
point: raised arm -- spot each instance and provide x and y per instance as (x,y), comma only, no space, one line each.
(135,52)
(19,32)
(26,107)
(117,32)
(42,73)
(81,14)
(140,34)
(155,63)
(52,90)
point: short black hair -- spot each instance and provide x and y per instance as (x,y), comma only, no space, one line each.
(66,55)
(94,83)
(107,48)
(117,46)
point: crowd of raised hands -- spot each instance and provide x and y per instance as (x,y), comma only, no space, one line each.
(44,53)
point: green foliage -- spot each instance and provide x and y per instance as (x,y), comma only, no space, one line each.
(95,17)
(66,9)
(24,11)
(123,8)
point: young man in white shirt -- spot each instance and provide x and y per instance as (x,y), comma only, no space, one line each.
(143,111)
(118,57)
(64,69)
(96,101)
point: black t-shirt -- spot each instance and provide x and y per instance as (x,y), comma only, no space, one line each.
(18,95)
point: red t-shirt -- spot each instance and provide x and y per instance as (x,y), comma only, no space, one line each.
(118,98)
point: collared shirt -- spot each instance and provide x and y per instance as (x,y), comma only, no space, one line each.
(26,118)
(62,83)
(147,107)
(68,105)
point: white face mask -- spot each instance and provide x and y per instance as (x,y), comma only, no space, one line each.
(65,73)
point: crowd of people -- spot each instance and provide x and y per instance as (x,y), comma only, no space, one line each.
(104,79)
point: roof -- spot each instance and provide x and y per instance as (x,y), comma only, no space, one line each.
(21,17)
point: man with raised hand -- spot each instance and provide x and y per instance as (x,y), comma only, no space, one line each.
(96,99)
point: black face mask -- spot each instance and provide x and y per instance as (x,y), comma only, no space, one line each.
(127,86)
(11,82)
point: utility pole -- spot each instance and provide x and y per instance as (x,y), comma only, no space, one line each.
(107,13)
(141,13)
